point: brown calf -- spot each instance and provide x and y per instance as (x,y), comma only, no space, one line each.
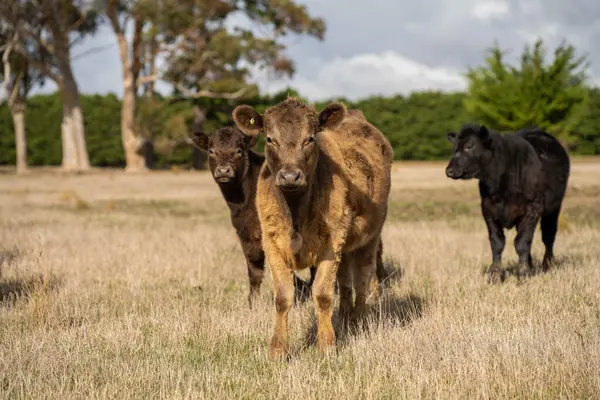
(322,200)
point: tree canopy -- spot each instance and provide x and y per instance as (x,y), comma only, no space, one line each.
(416,125)
(550,95)
(209,62)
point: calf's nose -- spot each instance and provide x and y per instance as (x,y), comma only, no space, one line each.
(449,172)
(223,171)
(289,177)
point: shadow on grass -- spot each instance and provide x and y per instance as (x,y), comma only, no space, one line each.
(12,290)
(7,256)
(388,310)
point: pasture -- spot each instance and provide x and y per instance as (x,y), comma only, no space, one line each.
(134,286)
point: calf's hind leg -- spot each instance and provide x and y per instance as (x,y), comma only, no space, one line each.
(523,240)
(363,267)
(344,277)
(549,227)
(381,273)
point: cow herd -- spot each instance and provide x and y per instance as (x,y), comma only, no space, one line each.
(318,196)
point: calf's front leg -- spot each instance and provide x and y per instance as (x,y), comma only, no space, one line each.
(283,290)
(323,291)
(496,273)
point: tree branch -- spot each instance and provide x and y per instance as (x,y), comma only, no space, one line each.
(6,62)
(136,62)
(142,80)
(15,90)
(40,66)
(208,94)
(111,13)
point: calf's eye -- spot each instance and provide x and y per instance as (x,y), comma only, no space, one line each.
(309,141)
(269,140)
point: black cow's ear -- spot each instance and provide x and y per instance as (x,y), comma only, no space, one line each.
(484,133)
(452,137)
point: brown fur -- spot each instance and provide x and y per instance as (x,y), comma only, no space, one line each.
(334,216)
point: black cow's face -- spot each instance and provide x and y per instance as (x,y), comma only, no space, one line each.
(228,153)
(469,148)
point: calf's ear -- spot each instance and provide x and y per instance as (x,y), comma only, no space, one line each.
(484,135)
(199,140)
(248,120)
(452,137)
(332,115)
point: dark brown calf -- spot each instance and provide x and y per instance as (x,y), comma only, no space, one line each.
(235,168)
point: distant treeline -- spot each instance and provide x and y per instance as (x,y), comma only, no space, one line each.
(416,125)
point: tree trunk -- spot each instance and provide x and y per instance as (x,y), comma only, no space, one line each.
(130,67)
(69,155)
(18,117)
(133,147)
(75,154)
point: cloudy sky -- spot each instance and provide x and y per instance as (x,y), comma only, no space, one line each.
(395,46)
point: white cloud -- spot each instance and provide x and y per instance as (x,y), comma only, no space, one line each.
(490,9)
(362,75)
(399,47)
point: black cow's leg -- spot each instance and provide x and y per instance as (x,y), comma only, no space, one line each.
(523,240)
(497,242)
(549,227)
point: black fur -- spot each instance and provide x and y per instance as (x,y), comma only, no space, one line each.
(522,178)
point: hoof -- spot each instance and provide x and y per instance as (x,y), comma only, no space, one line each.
(278,351)
(326,340)
(251,299)
(524,271)
(496,276)
(547,263)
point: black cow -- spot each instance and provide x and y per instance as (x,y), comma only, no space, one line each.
(235,167)
(522,178)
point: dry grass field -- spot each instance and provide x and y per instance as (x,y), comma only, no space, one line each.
(134,286)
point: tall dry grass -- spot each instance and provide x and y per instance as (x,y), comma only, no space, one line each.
(117,286)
